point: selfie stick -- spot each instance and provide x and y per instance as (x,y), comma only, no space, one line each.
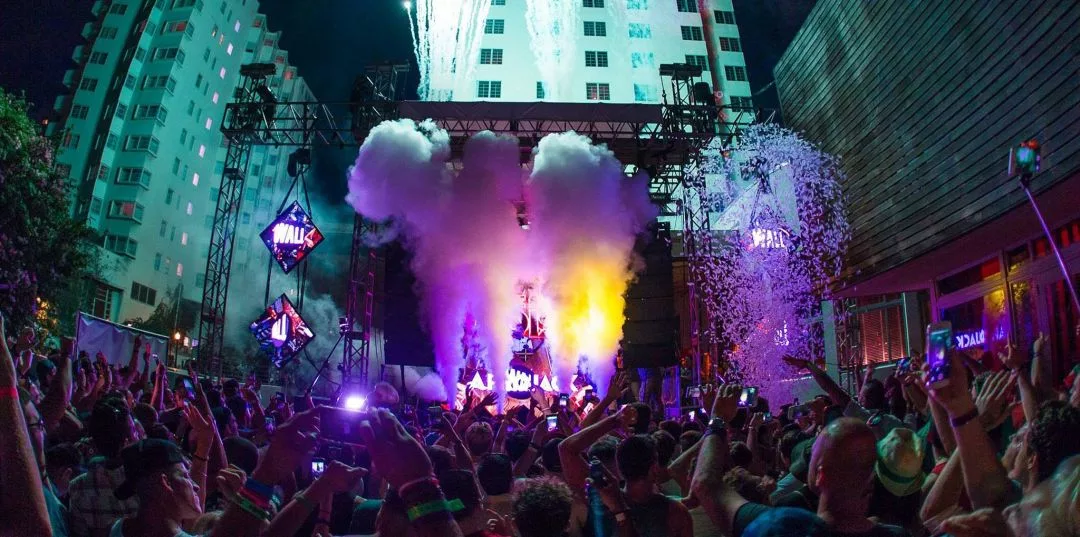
(1025,182)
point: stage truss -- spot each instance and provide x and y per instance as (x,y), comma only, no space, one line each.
(663,140)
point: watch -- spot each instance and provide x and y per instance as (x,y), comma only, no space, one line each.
(716,426)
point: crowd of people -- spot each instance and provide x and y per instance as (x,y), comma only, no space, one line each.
(88,449)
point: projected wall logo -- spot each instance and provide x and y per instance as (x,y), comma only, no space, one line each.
(291,237)
(281,332)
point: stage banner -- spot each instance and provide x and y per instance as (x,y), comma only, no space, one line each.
(115,341)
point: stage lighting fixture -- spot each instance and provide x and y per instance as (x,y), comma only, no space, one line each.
(281,332)
(296,158)
(354,402)
(407,5)
(1025,160)
(343,325)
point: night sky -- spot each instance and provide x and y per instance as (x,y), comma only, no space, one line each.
(330,45)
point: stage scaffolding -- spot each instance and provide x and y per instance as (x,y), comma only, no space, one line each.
(663,139)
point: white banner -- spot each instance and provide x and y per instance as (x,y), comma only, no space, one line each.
(115,341)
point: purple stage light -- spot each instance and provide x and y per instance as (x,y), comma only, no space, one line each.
(291,237)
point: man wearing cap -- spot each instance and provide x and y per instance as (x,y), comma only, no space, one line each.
(899,479)
(157,473)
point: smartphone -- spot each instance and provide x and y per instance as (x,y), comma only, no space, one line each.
(694,391)
(341,425)
(795,412)
(434,414)
(564,400)
(938,341)
(189,388)
(552,422)
(748,397)
(597,473)
(903,365)
(768,417)
(318,466)
(692,415)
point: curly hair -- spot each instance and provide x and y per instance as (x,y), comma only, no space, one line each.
(1053,435)
(541,507)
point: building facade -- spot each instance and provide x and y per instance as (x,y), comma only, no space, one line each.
(141,140)
(922,101)
(596,51)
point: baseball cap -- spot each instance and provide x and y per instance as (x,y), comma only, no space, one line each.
(143,458)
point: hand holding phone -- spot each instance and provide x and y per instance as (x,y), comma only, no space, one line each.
(552,422)
(318,466)
(748,397)
(938,344)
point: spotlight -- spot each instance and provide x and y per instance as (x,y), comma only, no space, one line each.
(407,5)
(354,402)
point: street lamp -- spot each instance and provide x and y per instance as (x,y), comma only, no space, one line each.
(177,336)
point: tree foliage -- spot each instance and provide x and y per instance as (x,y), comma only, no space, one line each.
(43,253)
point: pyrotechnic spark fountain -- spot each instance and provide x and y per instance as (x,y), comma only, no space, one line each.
(447,44)
(471,255)
(552,28)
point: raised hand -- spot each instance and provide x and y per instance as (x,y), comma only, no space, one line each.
(397,456)
(202,427)
(340,477)
(954,396)
(488,400)
(726,404)
(993,400)
(291,442)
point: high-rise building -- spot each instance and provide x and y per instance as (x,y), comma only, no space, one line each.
(922,101)
(142,144)
(581,51)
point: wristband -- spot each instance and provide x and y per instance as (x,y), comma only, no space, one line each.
(430,508)
(962,420)
(9,392)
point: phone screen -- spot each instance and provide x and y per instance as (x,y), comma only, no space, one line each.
(903,365)
(318,466)
(189,387)
(552,423)
(694,391)
(564,400)
(693,415)
(748,397)
(938,339)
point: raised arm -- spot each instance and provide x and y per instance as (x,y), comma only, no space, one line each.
(56,400)
(23,502)
(575,470)
(826,383)
(719,501)
(944,495)
(984,477)
(619,383)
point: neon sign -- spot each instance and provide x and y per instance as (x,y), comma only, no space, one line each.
(975,338)
(291,237)
(770,239)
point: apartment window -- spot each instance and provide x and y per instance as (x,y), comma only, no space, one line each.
(639,30)
(644,93)
(494,26)
(491,56)
(126,209)
(180,4)
(595,29)
(149,111)
(597,91)
(489,89)
(183,240)
(79,111)
(596,58)
(637,5)
(107,32)
(164,225)
(735,73)
(155,81)
(121,110)
(498,2)
(95,206)
(202,150)
(642,60)
(742,103)
(730,44)
(121,245)
(165,53)
(175,166)
(133,176)
(209,123)
(222,72)
(71,141)
(692,33)
(141,143)
(112,140)
(687,6)
(592,3)
(190,208)
(118,9)
(698,60)
(129,82)
(174,26)
(540,92)
(183,136)
(215,97)
(157,262)
(229,49)
(98,58)
(88,84)
(195,179)
(142,293)
(724,17)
